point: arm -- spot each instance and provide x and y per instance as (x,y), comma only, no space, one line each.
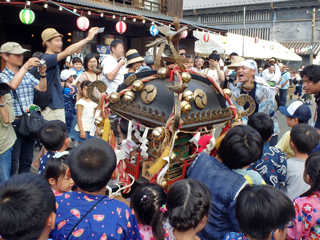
(4,111)
(112,75)
(64,84)
(232,216)
(68,63)
(79,114)
(42,86)
(75,47)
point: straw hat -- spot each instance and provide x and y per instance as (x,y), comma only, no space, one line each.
(236,61)
(133,56)
(48,34)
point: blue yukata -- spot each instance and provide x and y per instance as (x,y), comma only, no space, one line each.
(234,236)
(272,166)
(44,160)
(70,108)
(109,219)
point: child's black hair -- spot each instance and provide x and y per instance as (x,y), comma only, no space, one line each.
(26,203)
(241,146)
(76,60)
(56,167)
(263,124)
(312,168)
(92,164)
(305,137)
(262,209)
(85,83)
(188,202)
(312,72)
(87,58)
(123,126)
(53,134)
(146,200)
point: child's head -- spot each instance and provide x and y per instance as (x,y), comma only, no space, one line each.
(188,205)
(54,135)
(190,63)
(66,75)
(297,112)
(263,212)
(263,124)
(57,175)
(84,87)
(304,138)
(120,127)
(146,200)
(77,63)
(311,174)
(27,208)
(92,165)
(241,146)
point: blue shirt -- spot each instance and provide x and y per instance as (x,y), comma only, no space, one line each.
(234,236)
(285,77)
(272,166)
(25,90)
(317,121)
(53,74)
(43,161)
(224,185)
(110,219)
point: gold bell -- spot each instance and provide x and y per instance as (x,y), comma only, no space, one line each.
(98,121)
(185,107)
(114,97)
(137,86)
(186,77)
(164,184)
(162,72)
(158,133)
(100,131)
(172,157)
(228,92)
(129,96)
(188,95)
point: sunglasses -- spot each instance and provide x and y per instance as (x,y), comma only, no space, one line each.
(182,54)
(290,225)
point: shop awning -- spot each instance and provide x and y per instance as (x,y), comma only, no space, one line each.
(304,48)
(132,11)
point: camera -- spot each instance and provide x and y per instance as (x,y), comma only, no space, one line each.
(232,77)
(42,62)
(4,89)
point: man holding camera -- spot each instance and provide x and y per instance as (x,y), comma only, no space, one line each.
(24,84)
(114,66)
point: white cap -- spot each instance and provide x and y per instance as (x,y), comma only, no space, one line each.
(65,74)
(249,63)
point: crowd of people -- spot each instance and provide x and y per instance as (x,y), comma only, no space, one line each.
(258,187)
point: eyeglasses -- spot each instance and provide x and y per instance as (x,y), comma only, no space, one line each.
(290,225)
(182,54)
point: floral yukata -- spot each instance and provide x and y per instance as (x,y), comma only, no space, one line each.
(146,232)
(110,219)
(307,220)
(234,236)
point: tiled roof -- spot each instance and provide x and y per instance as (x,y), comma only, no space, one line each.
(297,46)
(198,4)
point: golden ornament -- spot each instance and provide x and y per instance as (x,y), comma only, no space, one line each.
(173,157)
(200,98)
(162,72)
(185,107)
(186,77)
(158,133)
(129,96)
(188,95)
(137,86)
(228,92)
(164,184)
(114,97)
(98,121)
(100,131)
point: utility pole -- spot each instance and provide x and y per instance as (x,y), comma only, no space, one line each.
(244,29)
(314,11)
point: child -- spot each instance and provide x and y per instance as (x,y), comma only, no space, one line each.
(263,212)
(304,138)
(77,66)
(240,147)
(55,174)
(88,213)
(69,99)
(306,222)
(296,113)
(54,137)
(146,200)
(27,208)
(272,165)
(190,64)
(85,114)
(186,212)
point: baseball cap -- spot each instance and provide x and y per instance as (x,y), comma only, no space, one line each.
(48,34)
(13,48)
(297,109)
(66,73)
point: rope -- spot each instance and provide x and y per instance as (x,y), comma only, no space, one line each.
(118,192)
(123,175)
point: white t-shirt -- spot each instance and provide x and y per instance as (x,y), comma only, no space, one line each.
(87,115)
(213,74)
(298,77)
(268,76)
(109,64)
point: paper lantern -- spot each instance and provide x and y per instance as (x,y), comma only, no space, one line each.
(121,27)
(224,39)
(310,47)
(307,49)
(256,39)
(83,23)
(271,46)
(206,37)
(302,50)
(153,30)
(292,50)
(184,33)
(27,16)
(298,50)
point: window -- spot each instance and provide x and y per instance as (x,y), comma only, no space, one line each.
(236,17)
